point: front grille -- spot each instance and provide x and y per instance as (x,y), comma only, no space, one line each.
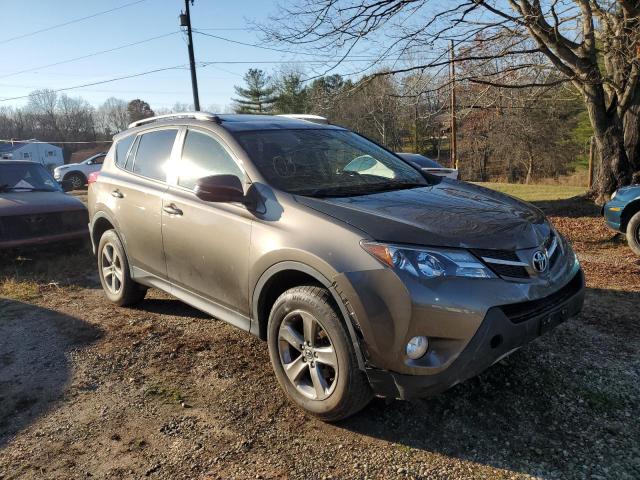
(511,271)
(502,270)
(521,312)
(509,255)
(21,227)
(492,259)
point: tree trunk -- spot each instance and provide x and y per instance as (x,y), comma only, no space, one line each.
(631,125)
(614,169)
(529,166)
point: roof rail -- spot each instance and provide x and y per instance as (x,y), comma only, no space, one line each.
(212,117)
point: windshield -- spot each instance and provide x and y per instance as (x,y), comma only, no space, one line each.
(420,161)
(326,162)
(26,177)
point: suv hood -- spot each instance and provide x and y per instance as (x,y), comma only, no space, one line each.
(28,203)
(448,214)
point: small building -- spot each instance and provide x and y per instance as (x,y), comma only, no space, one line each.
(48,155)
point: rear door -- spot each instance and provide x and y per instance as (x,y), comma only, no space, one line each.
(137,199)
(207,244)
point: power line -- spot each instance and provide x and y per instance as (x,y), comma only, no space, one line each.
(238,42)
(62,62)
(124,77)
(175,67)
(70,22)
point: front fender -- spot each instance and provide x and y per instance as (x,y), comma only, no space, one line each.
(320,277)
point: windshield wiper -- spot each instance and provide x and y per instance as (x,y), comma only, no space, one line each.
(360,189)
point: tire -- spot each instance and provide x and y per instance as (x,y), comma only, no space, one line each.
(113,270)
(336,392)
(633,233)
(77,179)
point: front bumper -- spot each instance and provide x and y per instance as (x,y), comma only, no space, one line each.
(502,331)
(612,213)
(44,239)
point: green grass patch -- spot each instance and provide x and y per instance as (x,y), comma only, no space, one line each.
(166,394)
(536,193)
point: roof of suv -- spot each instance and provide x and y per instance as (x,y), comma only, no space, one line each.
(244,122)
(236,122)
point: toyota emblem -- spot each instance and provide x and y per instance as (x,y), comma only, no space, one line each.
(540,261)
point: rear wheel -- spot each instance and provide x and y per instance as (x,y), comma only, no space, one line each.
(77,180)
(113,269)
(313,357)
(633,233)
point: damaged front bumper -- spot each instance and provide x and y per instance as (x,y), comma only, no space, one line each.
(503,330)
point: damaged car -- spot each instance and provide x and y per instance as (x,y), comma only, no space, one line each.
(364,275)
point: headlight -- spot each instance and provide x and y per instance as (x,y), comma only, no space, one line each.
(429,262)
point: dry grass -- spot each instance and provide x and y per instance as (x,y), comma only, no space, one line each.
(19,290)
(536,193)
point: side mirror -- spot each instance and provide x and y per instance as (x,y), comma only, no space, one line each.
(67,185)
(220,188)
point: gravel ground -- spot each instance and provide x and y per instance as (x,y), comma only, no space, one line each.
(90,390)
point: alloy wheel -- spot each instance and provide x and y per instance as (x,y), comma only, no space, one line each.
(76,182)
(307,355)
(111,265)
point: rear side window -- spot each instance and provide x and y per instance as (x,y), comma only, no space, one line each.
(202,156)
(121,150)
(154,151)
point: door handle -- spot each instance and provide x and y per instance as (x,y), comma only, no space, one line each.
(117,194)
(172,210)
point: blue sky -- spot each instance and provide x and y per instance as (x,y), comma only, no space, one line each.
(134,23)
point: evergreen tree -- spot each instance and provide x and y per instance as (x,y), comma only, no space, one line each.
(258,96)
(292,94)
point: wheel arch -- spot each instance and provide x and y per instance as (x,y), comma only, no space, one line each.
(629,211)
(100,223)
(288,274)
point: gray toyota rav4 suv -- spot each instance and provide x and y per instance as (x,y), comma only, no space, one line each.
(364,275)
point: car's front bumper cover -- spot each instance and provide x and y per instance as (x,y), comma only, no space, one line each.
(612,213)
(497,336)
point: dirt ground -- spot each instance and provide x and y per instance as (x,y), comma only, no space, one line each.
(90,390)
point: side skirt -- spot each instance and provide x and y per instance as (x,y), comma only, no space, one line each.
(196,301)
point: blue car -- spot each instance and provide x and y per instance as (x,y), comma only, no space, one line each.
(622,213)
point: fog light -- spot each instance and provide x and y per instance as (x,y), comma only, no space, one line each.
(417,347)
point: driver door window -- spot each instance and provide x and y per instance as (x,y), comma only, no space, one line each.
(203,156)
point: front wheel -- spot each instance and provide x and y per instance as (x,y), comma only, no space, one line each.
(313,357)
(633,233)
(113,269)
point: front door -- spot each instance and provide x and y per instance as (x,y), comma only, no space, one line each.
(206,244)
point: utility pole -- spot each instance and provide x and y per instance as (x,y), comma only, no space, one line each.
(452,81)
(185,21)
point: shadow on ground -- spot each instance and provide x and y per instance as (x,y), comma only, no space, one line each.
(34,364)
(65,265)
(571,207)
(553,407)
(170,306)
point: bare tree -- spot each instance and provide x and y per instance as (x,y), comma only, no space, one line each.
(593,44)
(112,116)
